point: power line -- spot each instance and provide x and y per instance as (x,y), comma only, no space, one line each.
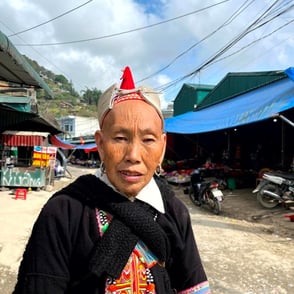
(125,32)
(50,20)
(254,27)
(253,42)
(227,22)
(230,44)
(233,42)
(59,16)
(45,58)
(279,12)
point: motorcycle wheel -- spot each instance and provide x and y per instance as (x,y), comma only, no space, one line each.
(267,201)
(192,196)
(214,204)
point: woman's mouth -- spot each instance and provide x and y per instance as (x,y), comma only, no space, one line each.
(130,175)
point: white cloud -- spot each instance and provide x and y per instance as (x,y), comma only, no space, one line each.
(98,63)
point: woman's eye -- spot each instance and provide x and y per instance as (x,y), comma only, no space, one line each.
(120,138)
(148,140)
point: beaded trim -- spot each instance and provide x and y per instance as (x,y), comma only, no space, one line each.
(202,288)
(140,253)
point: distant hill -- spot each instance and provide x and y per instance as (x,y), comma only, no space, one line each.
(67,101)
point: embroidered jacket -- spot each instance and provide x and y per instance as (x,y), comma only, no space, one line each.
(65,241)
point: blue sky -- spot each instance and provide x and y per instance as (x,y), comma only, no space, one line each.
(152,6)
(162,48)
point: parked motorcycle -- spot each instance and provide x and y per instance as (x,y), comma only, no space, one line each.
(275,188)
(205,192)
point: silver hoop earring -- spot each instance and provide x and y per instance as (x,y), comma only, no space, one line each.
(158,170)
(102,168)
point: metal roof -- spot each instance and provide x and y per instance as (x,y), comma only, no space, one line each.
(14,120)
(190,96)
(235,84)
(15,68)
(259,104)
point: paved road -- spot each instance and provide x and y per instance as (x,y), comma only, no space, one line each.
(240,257)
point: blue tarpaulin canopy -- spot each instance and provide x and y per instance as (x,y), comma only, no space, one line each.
(256,105)
(87,147)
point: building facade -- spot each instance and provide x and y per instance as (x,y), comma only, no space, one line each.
(78,126)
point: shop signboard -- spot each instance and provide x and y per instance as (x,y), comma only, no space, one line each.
(44,156)
(32,176)
(23,177)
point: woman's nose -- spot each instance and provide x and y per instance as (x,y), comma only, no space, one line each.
(133,152)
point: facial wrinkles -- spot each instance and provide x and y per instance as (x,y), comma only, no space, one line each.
(135,125)
(132,145)
(135,122)
(129,112)
(136,150)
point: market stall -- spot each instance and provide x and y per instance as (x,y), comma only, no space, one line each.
(26,159)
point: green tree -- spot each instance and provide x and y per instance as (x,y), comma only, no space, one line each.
(61,79)
(91,96)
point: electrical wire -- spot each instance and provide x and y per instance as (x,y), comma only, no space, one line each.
(125,32)
(227,22)
(45,58)
(253,42)
(229,45)
(50,20)
(255,26)
(275,10)
(264,36)
(232,42)
(178,17)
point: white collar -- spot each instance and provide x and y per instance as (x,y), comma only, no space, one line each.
(149,194)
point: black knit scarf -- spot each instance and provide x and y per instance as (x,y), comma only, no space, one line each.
(132,221)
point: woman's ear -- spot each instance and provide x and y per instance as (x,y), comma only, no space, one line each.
(99,143)
(163,147)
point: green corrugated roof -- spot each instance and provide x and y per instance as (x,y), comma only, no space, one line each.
(189,96)
(12,119)
(14,67)
(234,84)
(18,103)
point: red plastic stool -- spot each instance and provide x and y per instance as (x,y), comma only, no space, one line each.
(21,194)
(290,216)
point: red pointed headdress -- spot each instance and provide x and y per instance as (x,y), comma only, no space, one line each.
(127,82)
(127,91)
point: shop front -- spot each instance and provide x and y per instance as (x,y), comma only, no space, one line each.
(26,159)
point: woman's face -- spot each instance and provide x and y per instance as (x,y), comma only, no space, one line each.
(131,144)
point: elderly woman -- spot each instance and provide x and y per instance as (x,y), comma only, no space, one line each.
(123,230)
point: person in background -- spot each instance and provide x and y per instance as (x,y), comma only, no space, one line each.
(122,230)
(58,169)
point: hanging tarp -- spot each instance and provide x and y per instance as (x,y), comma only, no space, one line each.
(253,106)
(87,147)
(57,142)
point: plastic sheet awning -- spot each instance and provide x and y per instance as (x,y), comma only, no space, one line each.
(87,147)
(253,106)
(57,142)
